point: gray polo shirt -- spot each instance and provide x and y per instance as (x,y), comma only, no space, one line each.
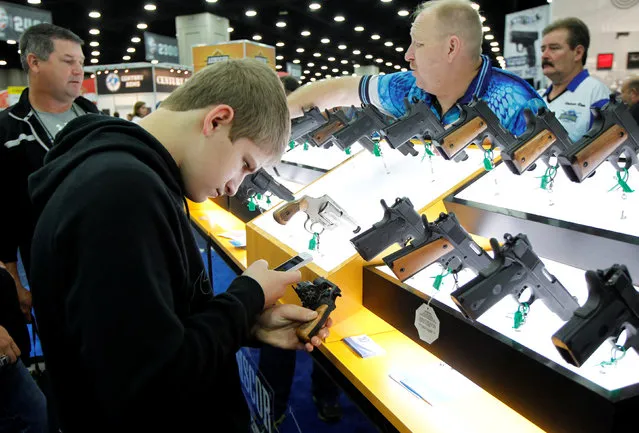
(54,122)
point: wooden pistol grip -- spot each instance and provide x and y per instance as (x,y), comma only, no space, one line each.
(462,137)
(532,150)
(284,214)
(413,262)
(321,135)
(590,157)
(309,329)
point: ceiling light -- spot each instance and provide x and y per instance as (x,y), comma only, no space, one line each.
(306,71)
(494,49)
(485,29)
(310,64)
(314,6)
(475,6)
(500,58)
(302,77)
(130,50)
(99,72)
(126,57)
(378,60)
(280,57)
(257,37)
(305,33)
(494,44)
(331,59)
(341,46)
(328,75)
(389,63)
(356,65)
(399,49)
(317,74)
(155,61)
(402,13)
(230,29)
(345,72)
(375,36)
(482,18)
(279,44)
(250,13)
(211,1)
(135,39)
(357,52)
(489,37)
(34,2)
(386,1)
(94,31)
(325,41)
(397,67)
(142,26)
(95,14)
(94,60)
(278,67)
(313,79)
(359,29)
(11,42)
(280,24)
(323,67)
(317,54)
(369,56)
(388,43)
(339,18)
(296,61)
(150,7)
(300,50)
(95,53)
(3,63)
(335,70)
(92,75)
(92,43)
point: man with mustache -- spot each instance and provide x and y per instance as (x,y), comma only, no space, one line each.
(53,60)
(564,48)
(630,95)
(447,69)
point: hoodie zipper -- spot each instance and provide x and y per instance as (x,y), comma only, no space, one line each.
(33,131)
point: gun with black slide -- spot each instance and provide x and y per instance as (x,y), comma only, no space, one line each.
(323,136)
(419,121)
(259,183)
(544,137)
(611,308)
(613,134)
(514,268)
(368,121)
(319,210)
(401,224)
(320,295)
(310,121)
(476,122)
(444,241)
(525,41)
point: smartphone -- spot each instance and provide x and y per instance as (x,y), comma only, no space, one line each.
(295,263)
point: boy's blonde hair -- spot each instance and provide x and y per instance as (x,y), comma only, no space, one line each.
(255,93)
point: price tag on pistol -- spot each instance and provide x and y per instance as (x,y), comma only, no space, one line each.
(427,323)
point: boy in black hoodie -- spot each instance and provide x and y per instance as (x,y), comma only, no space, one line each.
(133,338)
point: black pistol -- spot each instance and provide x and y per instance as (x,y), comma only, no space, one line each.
(514,268)
(261,182)
(320,295)
(310,121)
(611,308)
(401,223)
(419,121)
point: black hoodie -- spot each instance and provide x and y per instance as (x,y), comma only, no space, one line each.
(132,336)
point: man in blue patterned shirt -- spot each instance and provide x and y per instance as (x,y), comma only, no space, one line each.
(447,69)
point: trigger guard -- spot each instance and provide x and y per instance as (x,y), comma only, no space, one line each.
(308,226)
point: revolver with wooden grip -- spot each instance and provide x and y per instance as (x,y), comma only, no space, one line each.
(320,295)
(544,137)
(418,122)
(322,211)
(611,308)
(514,268)
(443,241)
(401,224)
(476,122)
(614,134)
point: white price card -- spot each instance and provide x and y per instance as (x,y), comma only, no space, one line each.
(427,323)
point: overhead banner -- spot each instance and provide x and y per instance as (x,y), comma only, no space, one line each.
(161,48)
(14,20)
(522,42)
(167,81)
(134,81)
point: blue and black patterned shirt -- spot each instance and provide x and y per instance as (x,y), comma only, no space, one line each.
(506,94)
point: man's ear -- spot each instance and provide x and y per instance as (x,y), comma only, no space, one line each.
(33,62)
(454,47)
(579,53)
(219,115)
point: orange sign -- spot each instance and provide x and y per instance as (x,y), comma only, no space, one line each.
(209,54)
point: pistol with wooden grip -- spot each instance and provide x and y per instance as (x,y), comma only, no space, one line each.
(614,134)
(476,123)
(611,308)
(310,121)
(401,224)
(319,210)
(544,137)
(514,268)
(443,241)
(261,182)
(337,119)
(320,295)
(419,122)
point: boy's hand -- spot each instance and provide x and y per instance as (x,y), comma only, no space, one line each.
(274,283)
(8,347)
(277,325)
